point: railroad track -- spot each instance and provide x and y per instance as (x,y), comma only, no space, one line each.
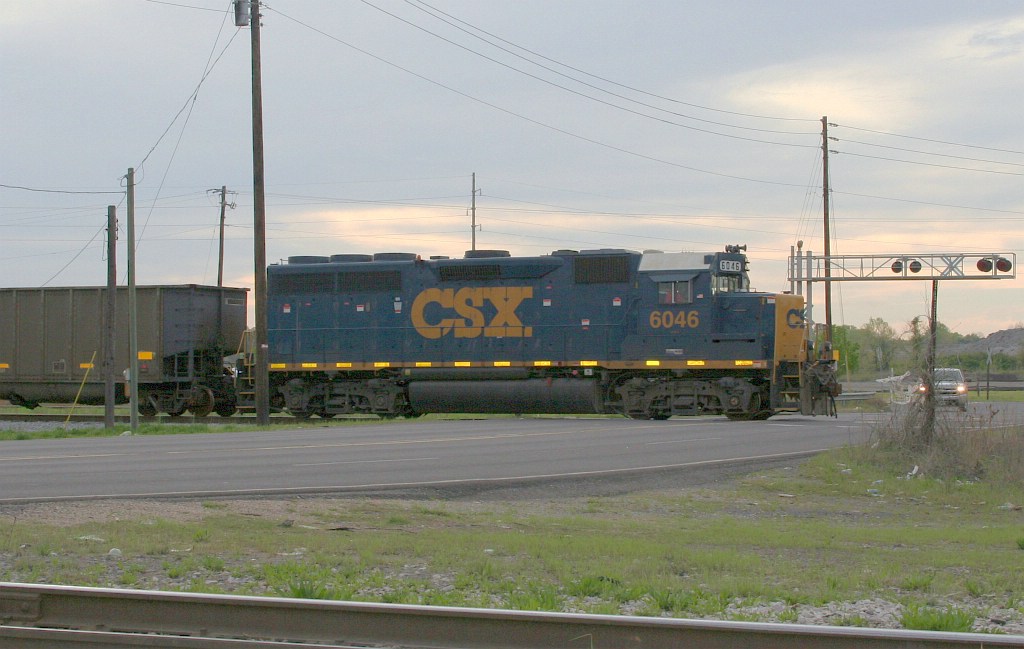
(34,616)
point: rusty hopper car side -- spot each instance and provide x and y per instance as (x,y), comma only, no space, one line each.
(51,347)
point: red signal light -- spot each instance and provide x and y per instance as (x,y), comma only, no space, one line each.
(897,266)
(1003,265)
(915,266)
(985,265)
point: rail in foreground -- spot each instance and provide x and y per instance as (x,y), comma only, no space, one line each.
(45,616)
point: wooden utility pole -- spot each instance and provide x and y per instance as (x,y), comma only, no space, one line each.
(261,367)
(472,211)
(220,258)
(133,321)
(828,236)
(109,311)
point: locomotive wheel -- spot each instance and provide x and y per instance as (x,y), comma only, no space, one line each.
(755,413)
(202,402)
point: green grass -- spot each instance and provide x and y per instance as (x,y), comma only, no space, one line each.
(850,524)
(997,395)
(690,553)
(925,618)
(183,427)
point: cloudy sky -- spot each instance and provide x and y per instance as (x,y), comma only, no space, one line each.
(644,124)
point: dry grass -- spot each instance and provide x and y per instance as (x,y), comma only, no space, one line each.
(983,445)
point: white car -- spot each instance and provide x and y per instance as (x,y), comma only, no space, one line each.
(950,387)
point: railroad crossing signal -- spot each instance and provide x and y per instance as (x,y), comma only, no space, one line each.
(939,266)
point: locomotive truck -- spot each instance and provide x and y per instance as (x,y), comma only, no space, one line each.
(647,335)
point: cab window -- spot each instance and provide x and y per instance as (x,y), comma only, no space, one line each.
(727,283)
(677,292)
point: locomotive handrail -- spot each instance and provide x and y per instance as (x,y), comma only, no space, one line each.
(161,619)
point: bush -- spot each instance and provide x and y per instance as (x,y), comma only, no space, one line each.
(960,446)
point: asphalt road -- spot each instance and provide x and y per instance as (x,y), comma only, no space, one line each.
(403,457)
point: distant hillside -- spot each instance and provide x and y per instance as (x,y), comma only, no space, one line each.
(1007,341)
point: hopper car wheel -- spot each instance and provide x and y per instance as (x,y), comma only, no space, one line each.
(146,406)
(300,414)
(202,402)
(178,410)
(225,409)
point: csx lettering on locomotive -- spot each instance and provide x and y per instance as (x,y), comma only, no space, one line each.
(469,305)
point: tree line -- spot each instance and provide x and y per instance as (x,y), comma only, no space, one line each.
(877,349)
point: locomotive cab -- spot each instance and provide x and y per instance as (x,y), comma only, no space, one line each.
(729,349)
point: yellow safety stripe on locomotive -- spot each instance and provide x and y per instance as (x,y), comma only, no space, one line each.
(611,365)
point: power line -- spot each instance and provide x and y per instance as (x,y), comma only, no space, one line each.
(931,204)
(930,164)
(924,139)
(930,153)
(77,255)
(53,191)
(182,6)
(530,119)
(195,93)
(190,104)
(589,85)
(606,80)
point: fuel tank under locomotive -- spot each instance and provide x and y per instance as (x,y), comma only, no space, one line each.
(529,396)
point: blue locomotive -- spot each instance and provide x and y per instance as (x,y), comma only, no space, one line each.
(647,335)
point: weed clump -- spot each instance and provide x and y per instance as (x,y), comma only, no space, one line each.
(979,446)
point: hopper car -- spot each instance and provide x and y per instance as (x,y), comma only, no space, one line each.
(51,346)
